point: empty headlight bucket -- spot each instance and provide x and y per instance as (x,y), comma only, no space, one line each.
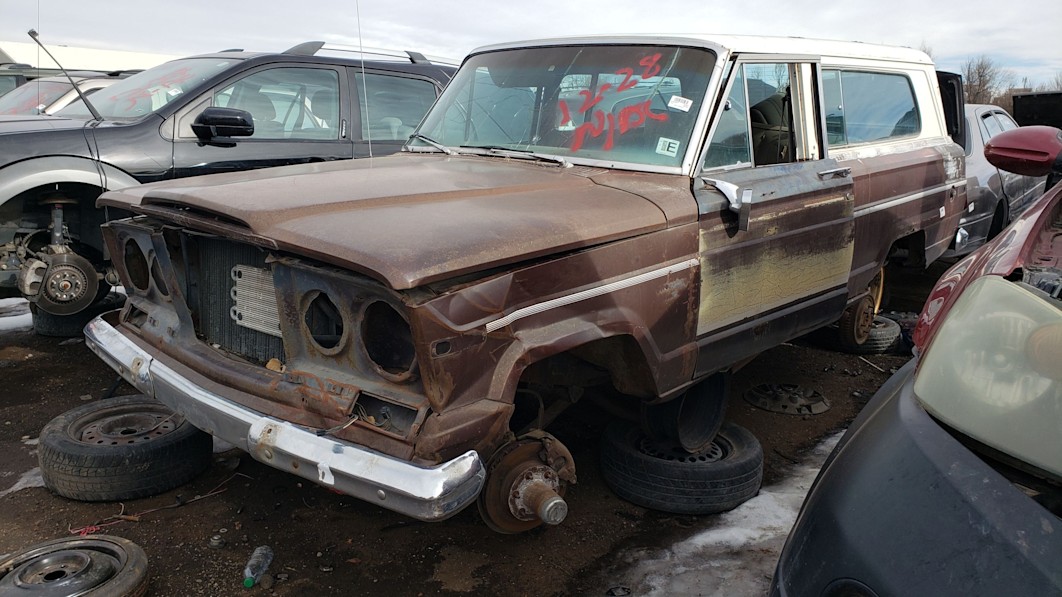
(324,322)
(136,265)
(388,341)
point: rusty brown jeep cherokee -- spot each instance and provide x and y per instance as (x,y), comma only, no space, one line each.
(647,210)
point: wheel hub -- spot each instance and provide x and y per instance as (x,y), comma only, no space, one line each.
(526,482)
(70,284)
(531,497)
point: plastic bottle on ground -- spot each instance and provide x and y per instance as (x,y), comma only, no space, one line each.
(257,565)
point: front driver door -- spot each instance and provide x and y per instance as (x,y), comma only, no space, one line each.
(776,216)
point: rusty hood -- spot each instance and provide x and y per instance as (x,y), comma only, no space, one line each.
(408,220)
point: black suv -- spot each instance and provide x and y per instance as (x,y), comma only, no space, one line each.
(222,112)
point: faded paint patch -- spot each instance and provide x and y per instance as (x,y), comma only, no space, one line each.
(873,150)
(777,276)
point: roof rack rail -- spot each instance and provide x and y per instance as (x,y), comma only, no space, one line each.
(311,48)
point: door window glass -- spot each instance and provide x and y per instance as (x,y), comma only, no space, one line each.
(757,118)
(872,107)
(391,107)
(992,126)
(730,143)
(287,103)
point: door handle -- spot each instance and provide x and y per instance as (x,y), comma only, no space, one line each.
(835,173)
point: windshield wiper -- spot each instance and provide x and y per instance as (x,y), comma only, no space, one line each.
(509,151)
(433,143)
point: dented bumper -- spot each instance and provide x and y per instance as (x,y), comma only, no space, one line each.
(425,493)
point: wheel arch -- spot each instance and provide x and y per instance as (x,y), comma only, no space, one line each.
(622,348)
(38,172)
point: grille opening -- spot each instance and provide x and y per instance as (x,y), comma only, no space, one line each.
(388,340)
(136,265)
(324,322)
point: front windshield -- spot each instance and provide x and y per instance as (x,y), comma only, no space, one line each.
(618,103)
(145,92)
(33,97)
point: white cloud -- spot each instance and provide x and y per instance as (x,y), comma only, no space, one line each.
(1020,40)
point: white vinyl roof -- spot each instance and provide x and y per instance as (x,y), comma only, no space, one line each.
(738,43)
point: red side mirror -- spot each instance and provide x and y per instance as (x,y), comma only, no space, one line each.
(1027,150)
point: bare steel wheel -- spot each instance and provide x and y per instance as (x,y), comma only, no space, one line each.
(120,448)
(856,322)
(526,482)
(91,566)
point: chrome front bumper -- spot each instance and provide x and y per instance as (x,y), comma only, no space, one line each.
(425,493)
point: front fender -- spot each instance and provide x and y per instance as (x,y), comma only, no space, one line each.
(28,174)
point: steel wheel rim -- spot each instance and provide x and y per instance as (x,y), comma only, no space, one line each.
(865,322)
(133,424)
(64,569)
(717,450)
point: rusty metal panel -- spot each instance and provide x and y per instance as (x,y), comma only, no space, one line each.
(465,213)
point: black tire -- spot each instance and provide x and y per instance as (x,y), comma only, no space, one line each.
(884,337)
(72,326)
(664,477)
(120,449)
(90,566)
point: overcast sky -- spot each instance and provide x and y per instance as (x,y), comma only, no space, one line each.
(1021,36)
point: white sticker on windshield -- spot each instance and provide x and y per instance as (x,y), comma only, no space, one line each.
(680,103)
(668,147)
(173,92)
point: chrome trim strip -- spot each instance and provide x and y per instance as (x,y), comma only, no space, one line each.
(906,198)
(426,493)
(587,294)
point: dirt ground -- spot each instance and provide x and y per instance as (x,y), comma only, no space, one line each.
(330,544)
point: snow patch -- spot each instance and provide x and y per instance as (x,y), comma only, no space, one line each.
(15,315)
(30,478)
(736,555)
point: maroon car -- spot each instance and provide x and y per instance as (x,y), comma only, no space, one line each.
(950,480)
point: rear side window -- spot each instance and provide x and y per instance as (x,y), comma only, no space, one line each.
(862,107)
(391,107)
